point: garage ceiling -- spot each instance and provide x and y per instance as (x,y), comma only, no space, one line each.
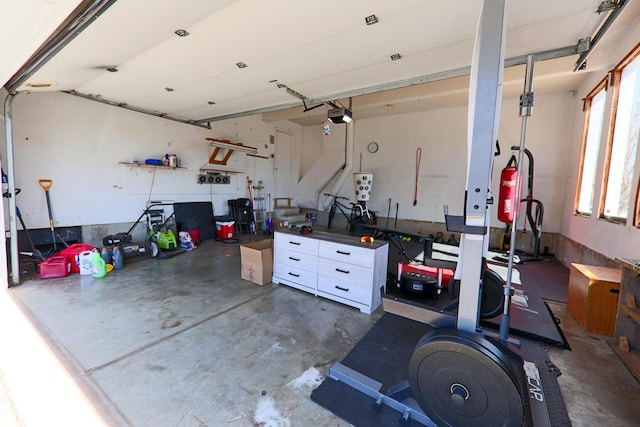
(321,50)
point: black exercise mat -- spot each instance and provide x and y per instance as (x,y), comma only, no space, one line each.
(200,213)
(383,354)
(549,277)
(535,321)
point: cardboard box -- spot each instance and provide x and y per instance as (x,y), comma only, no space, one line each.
(280,224)
(257,261)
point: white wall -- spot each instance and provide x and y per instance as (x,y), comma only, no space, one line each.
(608,239)
(78,143)
(442,136)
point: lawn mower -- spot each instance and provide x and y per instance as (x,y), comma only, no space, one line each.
(159,237)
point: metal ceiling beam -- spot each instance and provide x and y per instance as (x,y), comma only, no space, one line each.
(78,21)
(613,15)
(434,77)
(137,109)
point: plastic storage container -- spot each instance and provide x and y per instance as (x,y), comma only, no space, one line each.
(85,259)
(118,258)
(98,266)
(55,266)
(225,230)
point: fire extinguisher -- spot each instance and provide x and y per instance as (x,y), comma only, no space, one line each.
(507,200)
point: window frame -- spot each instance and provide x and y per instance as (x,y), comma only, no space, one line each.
(615,78)
(586,107)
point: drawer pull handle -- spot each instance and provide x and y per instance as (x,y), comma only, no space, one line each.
(294,259)
(294,275)
(342,271)
(294,243)
(342,289)
(343,253)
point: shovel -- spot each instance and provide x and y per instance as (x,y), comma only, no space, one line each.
(46,185)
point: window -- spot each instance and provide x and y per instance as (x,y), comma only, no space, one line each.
(594,114)
(623,139)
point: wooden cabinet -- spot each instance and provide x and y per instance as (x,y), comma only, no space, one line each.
(626,338)
(593,297)
(337,267)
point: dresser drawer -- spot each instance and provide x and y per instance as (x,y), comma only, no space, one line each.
(345,287)
(295,274)
(297,259)
(344,271)
(347,253)
(296,243)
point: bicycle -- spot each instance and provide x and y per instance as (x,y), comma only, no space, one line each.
(357,212)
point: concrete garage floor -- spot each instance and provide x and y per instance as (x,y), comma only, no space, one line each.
(185,342)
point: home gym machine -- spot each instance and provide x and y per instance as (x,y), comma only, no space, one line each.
(458,374)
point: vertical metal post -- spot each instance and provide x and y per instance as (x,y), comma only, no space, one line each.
(485,98)
(526,110)
(13,227)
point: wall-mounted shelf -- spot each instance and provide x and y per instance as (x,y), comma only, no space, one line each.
(626,340)
(144,165)
(140,166)
(225,171)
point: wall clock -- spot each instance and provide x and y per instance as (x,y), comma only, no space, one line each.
(372,147)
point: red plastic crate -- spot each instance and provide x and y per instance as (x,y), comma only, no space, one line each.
(73,254)
(56,266)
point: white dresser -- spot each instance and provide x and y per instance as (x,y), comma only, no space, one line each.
(333,266)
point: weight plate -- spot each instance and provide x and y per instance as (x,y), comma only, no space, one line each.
(492,302)
(492,298)
(418,285)
(461,379)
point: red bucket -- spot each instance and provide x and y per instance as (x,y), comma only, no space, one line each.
(195,236)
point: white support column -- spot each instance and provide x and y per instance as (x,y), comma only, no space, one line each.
(485,98)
